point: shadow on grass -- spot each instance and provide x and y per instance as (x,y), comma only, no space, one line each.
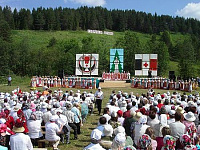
(84,140)
(94,123)
(87,135)
(91,128)
(82,146)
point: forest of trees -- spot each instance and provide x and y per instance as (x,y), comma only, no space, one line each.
(21,59)
(98,18)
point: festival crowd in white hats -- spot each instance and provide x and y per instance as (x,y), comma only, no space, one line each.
(151,121)
(23,114)
(162,121)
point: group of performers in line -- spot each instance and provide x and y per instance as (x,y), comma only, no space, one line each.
(116,76)
(163,83)
(71,82)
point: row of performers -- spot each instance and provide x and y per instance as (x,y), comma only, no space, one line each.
(161,83)
(84,83)
(116,76)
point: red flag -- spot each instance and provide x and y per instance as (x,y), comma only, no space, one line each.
(153,64)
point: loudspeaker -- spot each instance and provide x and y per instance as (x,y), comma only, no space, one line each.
(128,81)
(60,73)
(172,75)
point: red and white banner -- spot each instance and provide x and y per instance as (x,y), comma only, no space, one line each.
(145,63)
(87,64)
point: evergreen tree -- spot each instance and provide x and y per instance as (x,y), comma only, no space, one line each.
(5,31)
(119,63)
(186,59)
(163,58)
(8,16)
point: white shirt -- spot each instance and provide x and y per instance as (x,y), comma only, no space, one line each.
(169,121)
(46,116)
(108,117)
(14,115)
(9,78)
(134,108)
(20,141)
(177,129)
(94,147)
(34,128)
(51,132)
(99,95)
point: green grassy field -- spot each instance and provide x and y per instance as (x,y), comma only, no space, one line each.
(91,122)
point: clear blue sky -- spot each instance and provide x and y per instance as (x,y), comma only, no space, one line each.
(185,8)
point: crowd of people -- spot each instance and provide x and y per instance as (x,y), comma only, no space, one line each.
(24,114)
(163,83)
(131,121)
(150,121)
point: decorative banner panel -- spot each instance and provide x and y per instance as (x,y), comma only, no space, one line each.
(116,60)
(145,63)
(87,64)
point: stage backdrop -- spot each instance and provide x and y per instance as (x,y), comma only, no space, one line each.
(116,60)
(145,63)
(87,64)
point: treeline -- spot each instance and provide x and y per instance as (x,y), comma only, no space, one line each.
(98,18)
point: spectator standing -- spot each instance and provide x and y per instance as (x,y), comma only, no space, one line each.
(9,80)
(99,98)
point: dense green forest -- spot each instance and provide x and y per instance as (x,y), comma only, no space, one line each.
(98,18)
(48,48)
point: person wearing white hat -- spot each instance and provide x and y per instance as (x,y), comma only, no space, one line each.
(190,127)
(99,97)
(140,126)
(119,141)
(52,130)
(78,94)
(62,120)
(106,139)
(95,140)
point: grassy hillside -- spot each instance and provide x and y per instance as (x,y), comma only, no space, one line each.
(38,40)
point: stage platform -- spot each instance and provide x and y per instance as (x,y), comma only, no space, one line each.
(113,84)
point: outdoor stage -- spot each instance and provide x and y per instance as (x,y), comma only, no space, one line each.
(114,84)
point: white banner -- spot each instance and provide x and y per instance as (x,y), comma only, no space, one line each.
(87,64)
